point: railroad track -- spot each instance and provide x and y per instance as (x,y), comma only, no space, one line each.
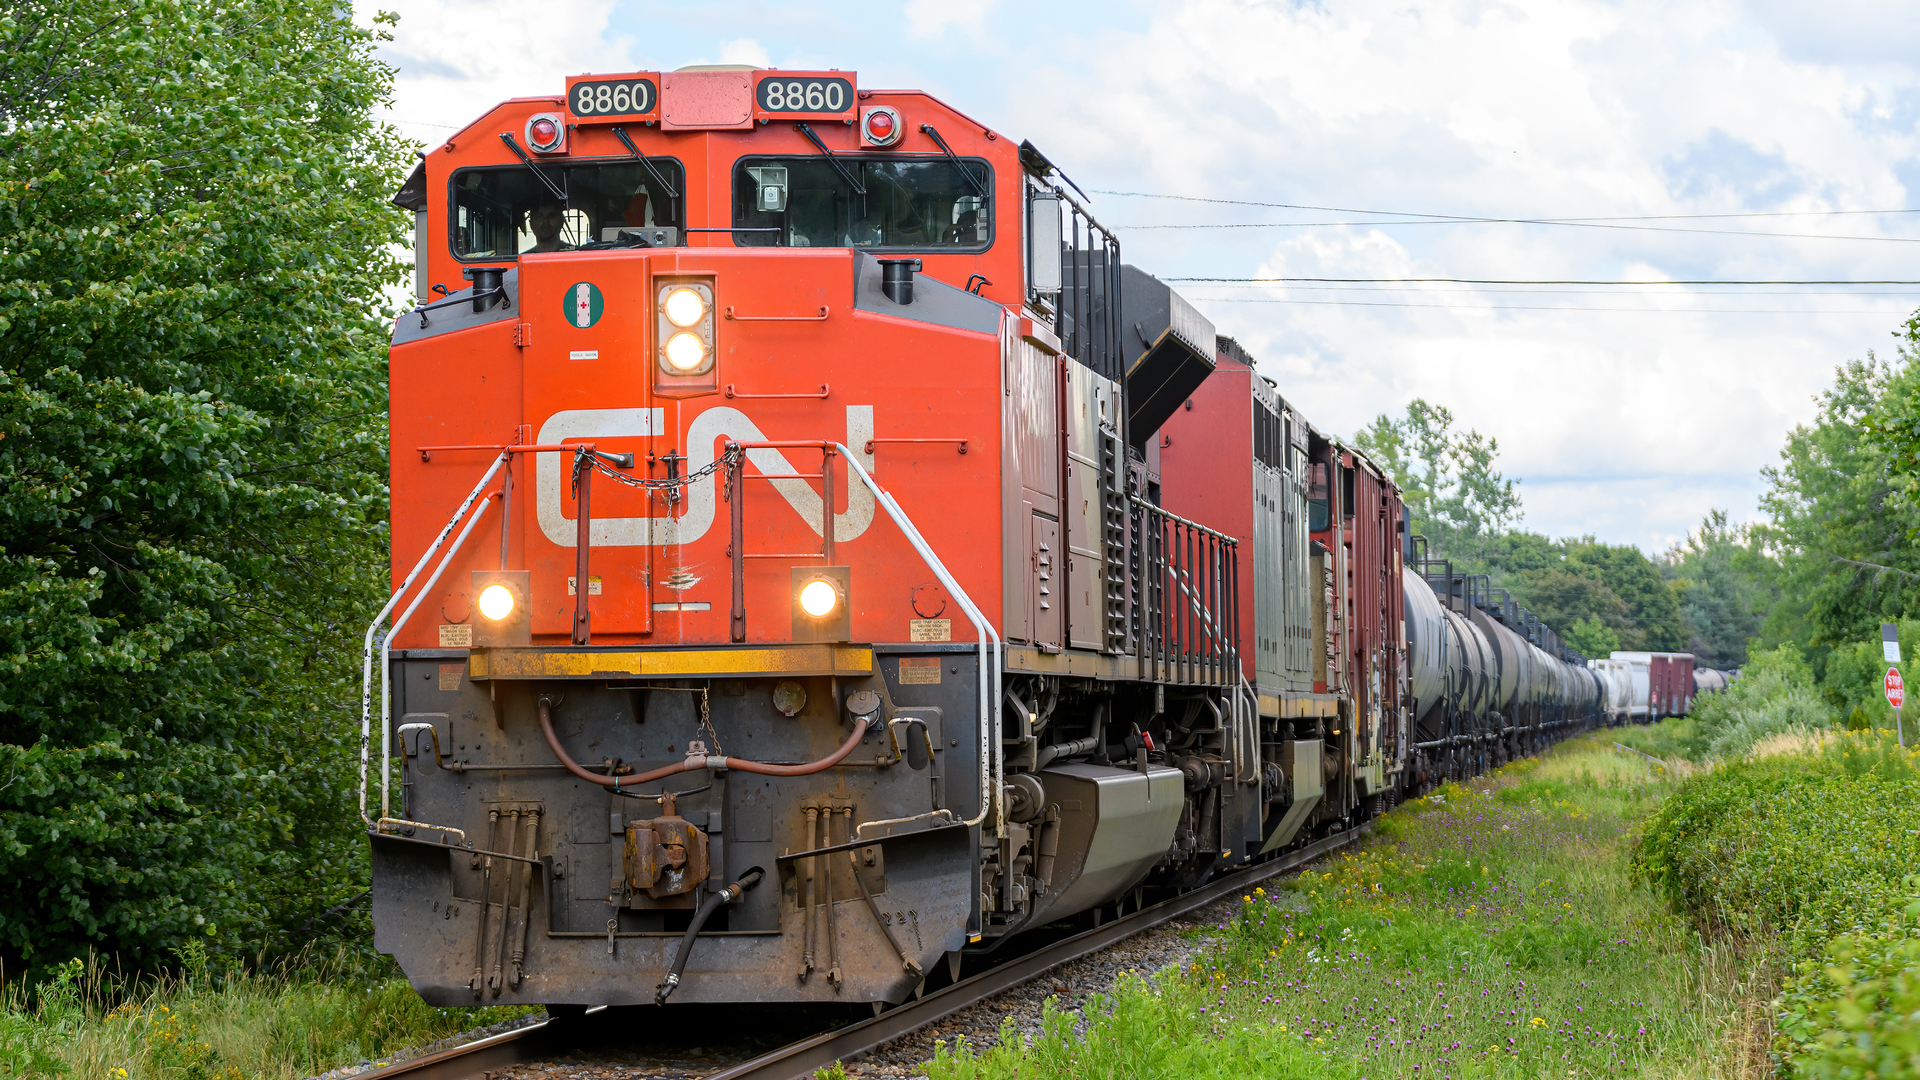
(797,1060)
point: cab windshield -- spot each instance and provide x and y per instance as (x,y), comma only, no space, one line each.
(498,213)
(915,205)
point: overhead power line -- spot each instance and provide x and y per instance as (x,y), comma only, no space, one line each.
(1544,291)
(1469,217)
(1522,221)
(1516,281)
(1603,222)
(1538,307)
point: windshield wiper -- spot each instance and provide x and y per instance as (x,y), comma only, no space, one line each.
(979,188)
(507,137)
(832,159)
(647,164)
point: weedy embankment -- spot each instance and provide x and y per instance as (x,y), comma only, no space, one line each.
(1493,929)
(303,1021)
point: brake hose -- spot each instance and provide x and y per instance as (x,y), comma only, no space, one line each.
(692,763)
(725,896)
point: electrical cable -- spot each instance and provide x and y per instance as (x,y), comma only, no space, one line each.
(1470,218)
(1538,307)
(1553,292)
(1515,281)
(1519,221)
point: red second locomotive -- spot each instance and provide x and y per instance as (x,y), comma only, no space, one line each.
(816,556)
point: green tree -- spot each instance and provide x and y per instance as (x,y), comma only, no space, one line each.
(1729,583)
(1563,598)
(1523,551)
(1590,637)
(1653,609)
(194,248)
(1454,494)
(1842,523)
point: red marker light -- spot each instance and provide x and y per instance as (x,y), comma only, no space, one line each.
(545,132)
(880,126)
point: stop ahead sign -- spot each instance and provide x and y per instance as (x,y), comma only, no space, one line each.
(1896,689)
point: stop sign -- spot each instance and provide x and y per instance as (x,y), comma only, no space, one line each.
(1896,690)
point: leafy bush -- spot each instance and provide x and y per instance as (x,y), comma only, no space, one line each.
(191,465)
(1817,848)
(1796,710)
(1854,1011)
(1852,678)
(1807,846)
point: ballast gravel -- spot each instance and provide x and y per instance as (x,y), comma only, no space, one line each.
(1167,946)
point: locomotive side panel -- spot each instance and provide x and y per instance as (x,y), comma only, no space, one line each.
(1206,463)
(1033,589)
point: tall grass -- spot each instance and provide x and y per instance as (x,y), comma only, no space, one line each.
(1493,930)
(301,1019)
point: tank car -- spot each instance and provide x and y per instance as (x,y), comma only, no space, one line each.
(817,556)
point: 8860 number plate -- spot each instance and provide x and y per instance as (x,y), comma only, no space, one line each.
(799,95)
(601,99)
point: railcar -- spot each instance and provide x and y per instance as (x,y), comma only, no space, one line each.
(818,557)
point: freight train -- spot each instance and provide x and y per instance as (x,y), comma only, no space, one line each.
(817,557)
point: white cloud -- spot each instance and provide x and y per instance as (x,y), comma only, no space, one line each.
(1630,424)
(937,18)
(1471,107)
(745,51)
(458,58)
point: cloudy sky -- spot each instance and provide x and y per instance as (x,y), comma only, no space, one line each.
(1697,141)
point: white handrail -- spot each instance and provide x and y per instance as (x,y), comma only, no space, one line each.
(1250,751)
(990,745)
(386,651)
(366,648)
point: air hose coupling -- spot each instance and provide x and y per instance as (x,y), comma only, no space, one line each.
(727,895)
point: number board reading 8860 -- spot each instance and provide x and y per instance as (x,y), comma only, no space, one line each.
(613,97)
(804,95)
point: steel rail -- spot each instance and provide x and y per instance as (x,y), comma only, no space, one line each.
(477,1058)
(800,1060)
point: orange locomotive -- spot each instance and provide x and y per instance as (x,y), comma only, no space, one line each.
(794,585)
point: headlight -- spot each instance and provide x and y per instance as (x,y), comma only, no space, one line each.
(686,352)
(818,598)
(496,602)
(684,307)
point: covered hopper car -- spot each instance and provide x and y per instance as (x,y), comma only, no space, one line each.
(817,557)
